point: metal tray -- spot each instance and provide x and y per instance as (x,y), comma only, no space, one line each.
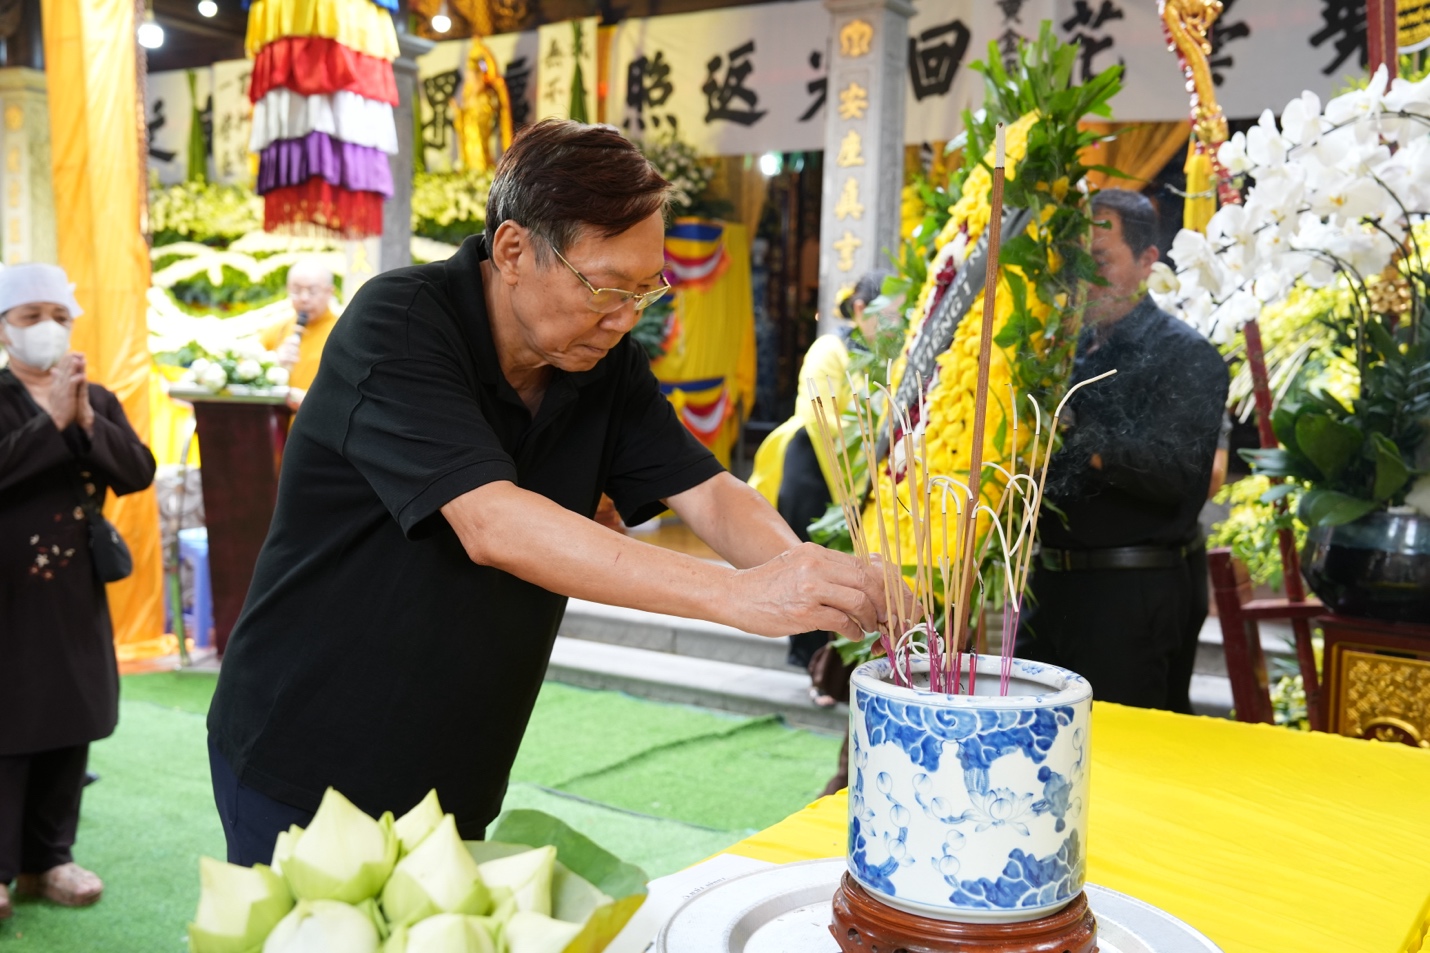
(785,909)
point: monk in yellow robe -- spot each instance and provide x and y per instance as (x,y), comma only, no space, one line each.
(298,339)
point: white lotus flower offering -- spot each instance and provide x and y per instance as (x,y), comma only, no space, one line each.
(277,376)
(446,933)
(418,822)
(238,907)
(527,875)
(440,876)
(283,847)
(325,926)
(343,855)
(528,932)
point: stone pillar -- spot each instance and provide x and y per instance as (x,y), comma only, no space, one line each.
(28,197)
(863,142)
(396,245)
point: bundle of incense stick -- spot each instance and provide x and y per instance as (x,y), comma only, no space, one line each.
(1004,530)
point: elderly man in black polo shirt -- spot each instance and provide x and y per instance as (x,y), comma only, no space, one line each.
(1119,592)
(432,510)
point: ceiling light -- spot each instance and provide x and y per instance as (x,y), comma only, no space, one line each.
(208,8)
(770,164)
(441,23)
(151,34)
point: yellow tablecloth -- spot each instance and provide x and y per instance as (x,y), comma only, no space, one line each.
(1265,839)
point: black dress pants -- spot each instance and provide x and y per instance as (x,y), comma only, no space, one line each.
(39,809)
(1132,633)
(804,497)
(251,819)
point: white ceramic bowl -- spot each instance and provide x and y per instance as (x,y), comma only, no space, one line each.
(970,807)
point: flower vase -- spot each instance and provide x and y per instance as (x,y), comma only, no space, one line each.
(1376,567)
(970,807)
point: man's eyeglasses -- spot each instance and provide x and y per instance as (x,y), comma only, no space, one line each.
(606,300)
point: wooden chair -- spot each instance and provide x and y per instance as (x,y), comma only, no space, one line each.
(1240,617)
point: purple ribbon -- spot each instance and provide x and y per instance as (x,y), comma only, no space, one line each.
(294,161)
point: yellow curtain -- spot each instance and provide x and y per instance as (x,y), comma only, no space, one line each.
(1140,151)
(709,369)
(94,149)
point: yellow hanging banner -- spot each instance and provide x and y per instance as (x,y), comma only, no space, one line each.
(90,69)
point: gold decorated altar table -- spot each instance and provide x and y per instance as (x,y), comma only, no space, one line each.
(1267,840)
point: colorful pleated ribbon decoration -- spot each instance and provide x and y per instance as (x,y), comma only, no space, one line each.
(695,255)
(323,93)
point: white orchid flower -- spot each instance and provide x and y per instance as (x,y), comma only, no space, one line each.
(1301,119)
(1193,253)
(238,907)
(1359,103)
(1264,145)
(1163,280)
(1232,155)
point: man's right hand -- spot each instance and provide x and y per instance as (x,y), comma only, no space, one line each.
(288,352)
(809,588)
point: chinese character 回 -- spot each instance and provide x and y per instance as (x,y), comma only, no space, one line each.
(719,95)
(1090,45)
(933,65)
(1345,24)
(648,86)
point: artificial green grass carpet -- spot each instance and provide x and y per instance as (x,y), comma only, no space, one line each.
(661,786)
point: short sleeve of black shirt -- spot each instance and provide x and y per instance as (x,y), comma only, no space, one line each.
(371,654)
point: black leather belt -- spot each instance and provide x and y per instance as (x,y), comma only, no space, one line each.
(1118,557)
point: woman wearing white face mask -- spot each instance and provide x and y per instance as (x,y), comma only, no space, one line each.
(61,439)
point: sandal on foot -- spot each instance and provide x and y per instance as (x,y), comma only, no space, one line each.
(68,885)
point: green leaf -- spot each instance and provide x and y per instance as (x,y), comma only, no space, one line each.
(1328,444)
(1277,492)
(1332,508)
(1273,463)
(1283,425)
(1391,473)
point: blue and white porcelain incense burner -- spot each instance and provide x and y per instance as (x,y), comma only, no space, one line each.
(970,807)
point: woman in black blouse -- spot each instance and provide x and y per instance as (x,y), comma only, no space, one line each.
(60,436)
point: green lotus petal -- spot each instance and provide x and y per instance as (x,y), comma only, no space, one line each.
(343,855)
(324,926)
(527,875)
(529,932)
(238,907)
(283,847)
(446,933)
(417,823)
(438,877)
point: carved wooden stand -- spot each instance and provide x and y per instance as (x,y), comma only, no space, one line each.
(864,925)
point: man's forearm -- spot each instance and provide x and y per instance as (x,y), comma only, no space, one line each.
(733,519)
(541,542)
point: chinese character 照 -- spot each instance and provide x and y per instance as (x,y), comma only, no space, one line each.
(1345,21)
(932,67)
(853,101)
(1088,44)
(818,88)
(720,95)
(648,86)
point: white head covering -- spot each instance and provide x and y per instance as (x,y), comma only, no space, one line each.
(36,283)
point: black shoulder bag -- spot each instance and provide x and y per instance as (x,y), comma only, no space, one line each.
(107,549)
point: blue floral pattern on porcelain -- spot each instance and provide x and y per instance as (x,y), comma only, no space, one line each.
(996,831)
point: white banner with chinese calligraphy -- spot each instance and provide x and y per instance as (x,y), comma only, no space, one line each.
(733,81)
(168,111)
(568,72)
(233,120)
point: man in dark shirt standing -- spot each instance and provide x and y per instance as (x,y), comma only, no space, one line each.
(1120,589)
(433,508)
